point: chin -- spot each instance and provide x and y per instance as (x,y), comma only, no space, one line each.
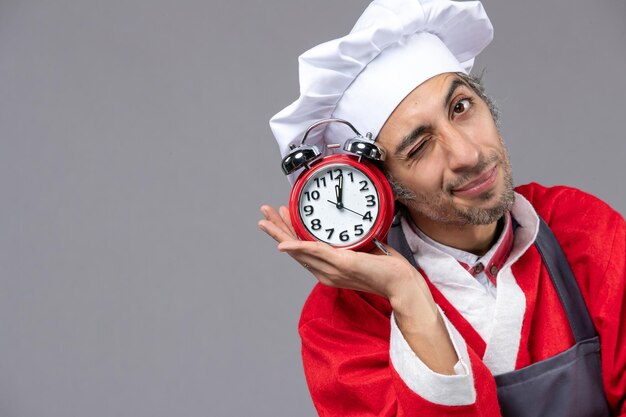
(485,208)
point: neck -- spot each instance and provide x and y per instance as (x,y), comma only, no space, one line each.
(476,239)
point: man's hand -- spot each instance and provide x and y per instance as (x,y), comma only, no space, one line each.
(392,277)
(389,276)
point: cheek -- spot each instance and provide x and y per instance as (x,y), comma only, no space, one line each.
(423,177)
(490,137)
(485,131)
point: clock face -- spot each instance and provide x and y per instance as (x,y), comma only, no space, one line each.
(339,204)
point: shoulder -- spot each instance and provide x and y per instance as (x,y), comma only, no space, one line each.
(561,201)
(588,229)
(570,210)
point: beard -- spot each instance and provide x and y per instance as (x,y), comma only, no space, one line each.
(440,206)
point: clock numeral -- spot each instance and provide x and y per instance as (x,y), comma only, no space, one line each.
(308,210)
(330,232)
(368,216)
(365,187)
(370,200)
(358,229)
(315,195)
(316,224)
(322,180)
(338,171)
(344,236)
(351,176)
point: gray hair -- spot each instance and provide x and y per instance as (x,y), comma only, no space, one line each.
(475,83)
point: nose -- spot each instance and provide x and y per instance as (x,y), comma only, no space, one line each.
(462,151)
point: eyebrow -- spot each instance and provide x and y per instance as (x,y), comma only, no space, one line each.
(409,139)
(456,83)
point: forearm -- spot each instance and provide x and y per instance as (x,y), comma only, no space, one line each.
(422,326)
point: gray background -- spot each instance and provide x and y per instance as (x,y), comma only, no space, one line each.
(135,152)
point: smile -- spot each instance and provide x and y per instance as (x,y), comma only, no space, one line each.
(478,185)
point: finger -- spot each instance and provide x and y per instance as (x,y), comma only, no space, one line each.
(344,268)
(324,257)
(317,252)
(311,263)
(279,235)
(308,263)
(319,267)
(272,215)
(275,232)
(327,267)
(342,259)
(303,246)
(284,214)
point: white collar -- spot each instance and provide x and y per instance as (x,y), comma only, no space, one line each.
(425,249)
(467,258)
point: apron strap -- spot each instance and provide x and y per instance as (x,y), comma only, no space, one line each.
(397,240)
(564,282)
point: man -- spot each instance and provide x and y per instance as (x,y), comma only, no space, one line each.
(476,312)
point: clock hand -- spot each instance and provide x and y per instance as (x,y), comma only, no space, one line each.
(339,204)
(339,192)
(344,207)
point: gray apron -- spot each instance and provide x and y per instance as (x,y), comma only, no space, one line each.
(566,385)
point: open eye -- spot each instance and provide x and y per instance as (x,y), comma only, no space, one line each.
(462,106)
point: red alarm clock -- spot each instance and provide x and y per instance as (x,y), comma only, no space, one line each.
(344,199)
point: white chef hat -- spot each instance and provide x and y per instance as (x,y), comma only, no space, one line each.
(395,46)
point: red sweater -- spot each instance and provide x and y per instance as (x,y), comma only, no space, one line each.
(345,333)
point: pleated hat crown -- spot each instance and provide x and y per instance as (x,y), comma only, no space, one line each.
(362,77)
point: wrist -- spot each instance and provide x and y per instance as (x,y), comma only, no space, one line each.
(413,305)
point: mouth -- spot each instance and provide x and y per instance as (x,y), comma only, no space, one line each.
(478,185)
